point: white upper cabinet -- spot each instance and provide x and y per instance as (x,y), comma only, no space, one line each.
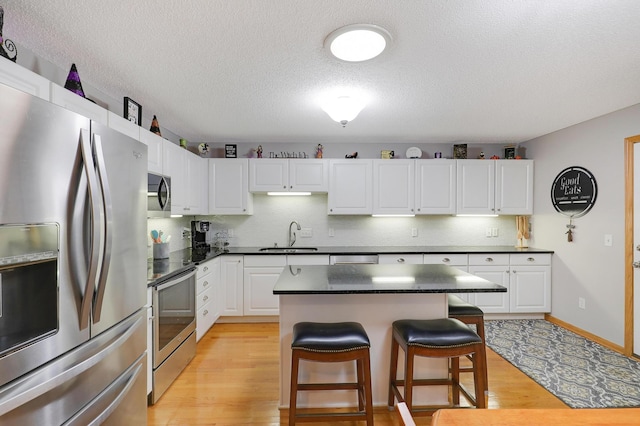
(435,187)
(475,183)
(69,100)
(154,150)
(350,187)
(188,174)
(281,174)
(494,187)
(20,78)
(514,186)
(393,186)
(229,187)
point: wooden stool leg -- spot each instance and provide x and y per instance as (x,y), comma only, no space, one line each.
(480,365)
(361,378)
(480,332)
(366,366)
(393,370)
(293,393)
(455,380)
(408,376)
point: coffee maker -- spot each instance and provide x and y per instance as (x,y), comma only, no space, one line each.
(199,236)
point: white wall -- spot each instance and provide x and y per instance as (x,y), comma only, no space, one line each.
(585,267)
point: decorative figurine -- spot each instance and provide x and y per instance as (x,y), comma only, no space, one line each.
(7,47)
(481,156)
(155,126)
(203,149)
(73,81)
(259,151)
(319,151)
(352,155)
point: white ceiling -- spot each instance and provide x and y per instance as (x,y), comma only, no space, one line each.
(255,70)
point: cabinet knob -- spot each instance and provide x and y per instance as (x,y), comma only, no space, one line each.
(400,260)
(531,259)
(446,260)
(284,187)
(205,283)
(205,269)
(205,298)
(205,313)
(489,259)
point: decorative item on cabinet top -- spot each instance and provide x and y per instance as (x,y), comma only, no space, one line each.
(132,111)
(73,81)
(7,47)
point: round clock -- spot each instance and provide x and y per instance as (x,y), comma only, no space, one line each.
(414,152)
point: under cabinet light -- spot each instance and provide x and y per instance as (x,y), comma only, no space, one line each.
(476,215)
(393,280)
(288,193)
(393,215)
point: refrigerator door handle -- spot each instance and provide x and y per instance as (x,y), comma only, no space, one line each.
(63,371)
(129,378)
(89,167)
(108,226)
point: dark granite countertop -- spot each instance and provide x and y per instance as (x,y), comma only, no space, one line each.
(387,279)
(160,270)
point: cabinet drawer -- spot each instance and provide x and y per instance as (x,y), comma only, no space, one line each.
(204,320)
(447,259)
(400,259)
(530,259)
(269,260)
(308,259)
(488,259)
(204,283)
(204,297)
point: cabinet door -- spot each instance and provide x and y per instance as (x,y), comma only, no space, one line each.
(307,259)
(20,78)
(435,187)
(229,187)
(514,186)
(197,184)
(154,150)
(393,186)
(231,275)
(475,187)
(491,303)
(174,165)
(350,187)
(268,174)
(258,290)
(530,289)
(309,175)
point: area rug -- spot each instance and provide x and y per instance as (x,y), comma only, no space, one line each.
(582,373)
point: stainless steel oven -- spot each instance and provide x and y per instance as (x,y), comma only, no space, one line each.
(174,325)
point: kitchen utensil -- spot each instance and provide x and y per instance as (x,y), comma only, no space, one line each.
(154,236)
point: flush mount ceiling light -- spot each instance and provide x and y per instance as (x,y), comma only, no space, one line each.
(357,42)
(343,109)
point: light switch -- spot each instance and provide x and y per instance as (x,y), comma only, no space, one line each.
(608,240)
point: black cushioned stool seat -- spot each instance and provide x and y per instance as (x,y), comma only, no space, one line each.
(437,338)
(469,314)
(331,342)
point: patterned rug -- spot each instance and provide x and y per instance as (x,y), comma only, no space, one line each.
(582,373)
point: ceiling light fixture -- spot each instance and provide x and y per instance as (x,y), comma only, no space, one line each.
(357,42)
(343,109)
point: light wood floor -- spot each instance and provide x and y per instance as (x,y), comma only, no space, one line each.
(233,380)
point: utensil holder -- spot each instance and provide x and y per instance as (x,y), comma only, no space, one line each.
(161,251)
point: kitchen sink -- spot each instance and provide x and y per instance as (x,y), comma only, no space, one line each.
(289,249)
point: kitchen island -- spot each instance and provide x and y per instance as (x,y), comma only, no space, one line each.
(375,296)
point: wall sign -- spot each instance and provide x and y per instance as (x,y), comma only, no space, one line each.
(574,191)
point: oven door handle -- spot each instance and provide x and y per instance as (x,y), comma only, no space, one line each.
(176,280)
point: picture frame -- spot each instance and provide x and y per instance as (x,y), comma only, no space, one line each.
(132,111)
(231,151)
(460,151)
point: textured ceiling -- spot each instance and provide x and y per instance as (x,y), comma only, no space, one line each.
(256,70)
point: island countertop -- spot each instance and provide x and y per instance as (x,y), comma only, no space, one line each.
(379,278)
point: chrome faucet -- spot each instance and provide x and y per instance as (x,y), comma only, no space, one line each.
(290,241)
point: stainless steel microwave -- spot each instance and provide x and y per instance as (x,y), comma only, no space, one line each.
(158,196)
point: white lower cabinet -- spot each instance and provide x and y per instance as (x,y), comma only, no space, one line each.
(260,276)
(149,340)
(527,278)
(231,277)
(207,299)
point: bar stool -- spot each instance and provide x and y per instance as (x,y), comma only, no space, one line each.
(469,314)
(331,342)
(437,338)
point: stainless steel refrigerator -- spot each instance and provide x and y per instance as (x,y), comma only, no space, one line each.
(72,268)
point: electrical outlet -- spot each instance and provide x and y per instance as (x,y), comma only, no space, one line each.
(608,240)
(487,232)
(494,232)
(414,232)
(306,232)
(581,303)
(331,233)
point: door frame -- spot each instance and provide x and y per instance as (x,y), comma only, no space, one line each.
(629,146)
